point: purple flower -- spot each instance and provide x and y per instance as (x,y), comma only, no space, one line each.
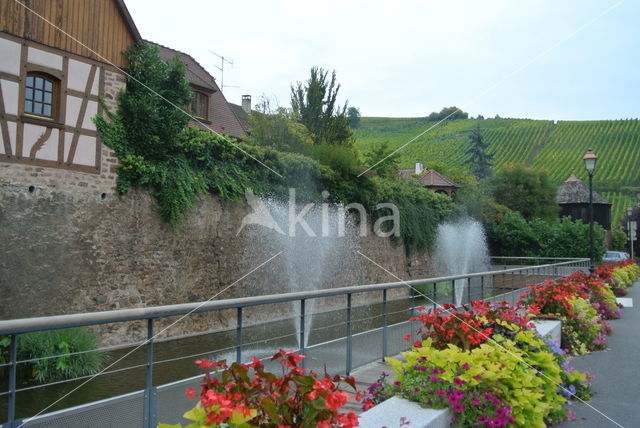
(496,422)
(433,378)
(457,408)
(475,401)
(459,382)
(465,366)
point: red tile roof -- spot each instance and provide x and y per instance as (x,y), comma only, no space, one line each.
(221,118)
(429,178)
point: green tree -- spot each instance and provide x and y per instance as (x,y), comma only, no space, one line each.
(479,156)
(619,238)
(354,117)
(525,190)
(448,113)
(154,89)
(279,131)
(382,159)
(314,104)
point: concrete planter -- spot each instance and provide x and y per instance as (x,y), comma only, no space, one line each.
(552,328)
(388,414)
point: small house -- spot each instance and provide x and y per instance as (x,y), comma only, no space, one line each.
(430,179)
(573,198)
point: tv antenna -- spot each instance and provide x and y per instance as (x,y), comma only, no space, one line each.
(223,60)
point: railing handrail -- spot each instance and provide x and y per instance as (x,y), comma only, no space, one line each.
(23,325)
(537,258)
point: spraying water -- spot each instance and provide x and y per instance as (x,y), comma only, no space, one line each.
(461,247)
(314,253)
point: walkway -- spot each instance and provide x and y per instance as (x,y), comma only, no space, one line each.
(617,371)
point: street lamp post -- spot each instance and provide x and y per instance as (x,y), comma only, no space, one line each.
(590,159)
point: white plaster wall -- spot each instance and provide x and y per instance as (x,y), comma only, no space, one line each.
(45,59)
(10,95)
(92,110)
(73,110)
(49,150)
(10,54)
(12,138)
(78,75)
(30,135)
(68,136)
(95,89)
(86,151)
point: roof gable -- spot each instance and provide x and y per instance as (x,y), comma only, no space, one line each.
(574,191)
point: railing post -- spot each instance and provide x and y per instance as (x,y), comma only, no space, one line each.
(149,390)
(349,342)
(482,287)
(385,348)
(453,291)
(435,295)
(302,330)
(239,335)
(469,290)
(13,369)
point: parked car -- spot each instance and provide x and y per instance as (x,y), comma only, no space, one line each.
(614,256)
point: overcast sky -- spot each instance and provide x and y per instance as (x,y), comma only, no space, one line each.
(408,58)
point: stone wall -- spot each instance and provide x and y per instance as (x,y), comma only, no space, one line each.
(69,252)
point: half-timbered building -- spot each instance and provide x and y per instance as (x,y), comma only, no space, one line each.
(58,58)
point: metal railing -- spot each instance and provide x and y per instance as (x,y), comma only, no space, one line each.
(384,333)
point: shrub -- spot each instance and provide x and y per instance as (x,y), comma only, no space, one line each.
(246,395)
(48,349)
(512,235)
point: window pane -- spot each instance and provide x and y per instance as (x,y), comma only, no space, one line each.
(28,94)
(47,97)
(46,110)
(37,95)
(30,81)
(28,107)
(48,86)
(39,81)
(37,108)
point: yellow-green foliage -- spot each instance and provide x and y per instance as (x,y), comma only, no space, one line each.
(531,393)
(199,416)
(625,276)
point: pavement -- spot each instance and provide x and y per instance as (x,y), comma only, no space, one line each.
(616,402)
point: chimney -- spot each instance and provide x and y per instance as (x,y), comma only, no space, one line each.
(419,168)
(246,103)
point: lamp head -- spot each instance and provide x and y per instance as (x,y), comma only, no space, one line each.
(590,159)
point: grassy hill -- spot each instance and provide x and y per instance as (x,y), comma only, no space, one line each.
(557,147)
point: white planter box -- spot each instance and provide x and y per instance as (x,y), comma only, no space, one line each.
(388,414)
(550,327)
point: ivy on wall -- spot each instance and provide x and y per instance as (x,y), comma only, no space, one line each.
(177,163)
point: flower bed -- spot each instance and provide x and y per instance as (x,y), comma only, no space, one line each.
(619,276)
(246,395)
(486,363)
